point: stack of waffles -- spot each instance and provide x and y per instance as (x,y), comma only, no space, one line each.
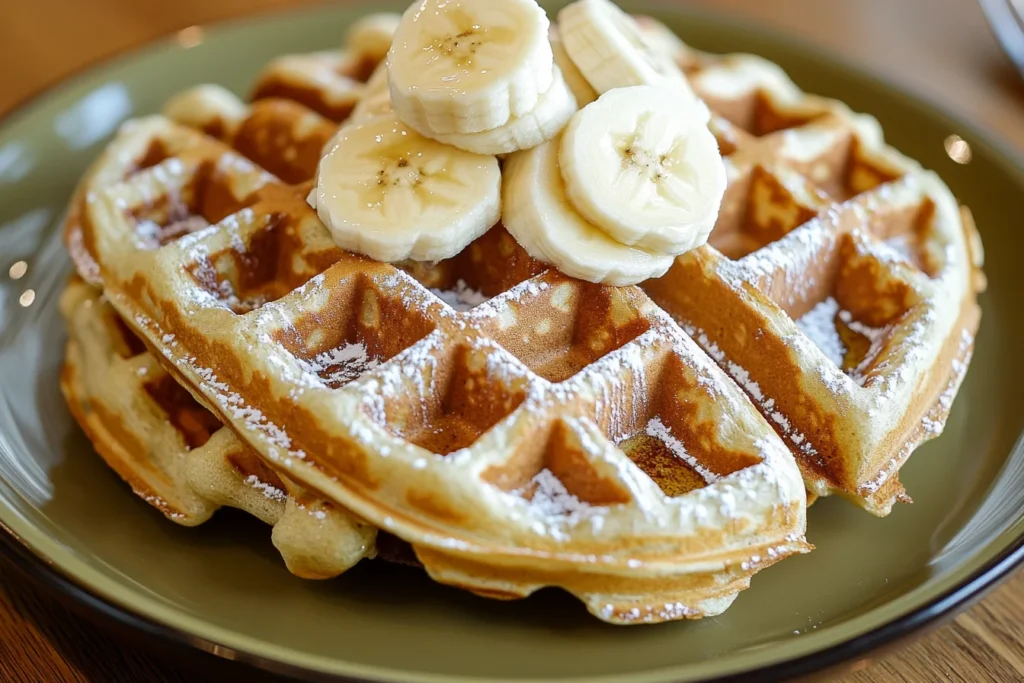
(647,448)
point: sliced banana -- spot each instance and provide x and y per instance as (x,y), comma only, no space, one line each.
(376,99)
(610,50)
(538,214)
(205,106)
(641,164)
(465,66)
(581,88)
(389,193)
(370,36)
(369,106)
(553,111)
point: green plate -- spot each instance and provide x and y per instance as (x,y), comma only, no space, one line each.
(222,587)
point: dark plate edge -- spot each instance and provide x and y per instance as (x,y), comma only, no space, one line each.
(940,609)
(945,606)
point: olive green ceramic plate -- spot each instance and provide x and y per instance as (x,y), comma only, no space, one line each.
(223,588)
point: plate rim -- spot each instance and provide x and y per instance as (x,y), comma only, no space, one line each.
(935,612)
(40,568)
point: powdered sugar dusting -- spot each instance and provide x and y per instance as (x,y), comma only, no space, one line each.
(527,288)
(649,614)
(551,498)
(84,261)
(657,429)
(339,366)
(933,422)
(792,257)
(504,367)
(753,389)
(269,491)
(416,366)
(548,497)
(607,377)
(151,235)
(819,324)
(462,297)
(875,335)
(234,405)
(902,246)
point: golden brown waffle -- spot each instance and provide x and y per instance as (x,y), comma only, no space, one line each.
(511,410)
(297,102)
(840,287)
(329,83)
(792,157)
(282,136)
(536,440)
(177,456)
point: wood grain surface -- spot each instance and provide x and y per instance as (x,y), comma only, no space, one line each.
(940,49)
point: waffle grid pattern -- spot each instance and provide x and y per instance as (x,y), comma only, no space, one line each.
(820,211)
(266,279)
(177,456)
(558,433)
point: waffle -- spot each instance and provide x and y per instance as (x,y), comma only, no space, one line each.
(840,297)
(840,288)
(282,136)
(177,456)
(650,487)
(444,401)
(329,83)
(297,102)
(185,473)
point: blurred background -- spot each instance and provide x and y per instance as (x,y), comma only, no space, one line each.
(942,49)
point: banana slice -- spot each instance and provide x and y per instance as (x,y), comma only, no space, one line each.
(610,50)
(641,164)
(553,111)
(466,66)
(538,214)
(376,99)
(581,88)
(389,193)
(370,37)
(205,107)
(369,106)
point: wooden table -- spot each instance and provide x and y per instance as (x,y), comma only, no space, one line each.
(941,49)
